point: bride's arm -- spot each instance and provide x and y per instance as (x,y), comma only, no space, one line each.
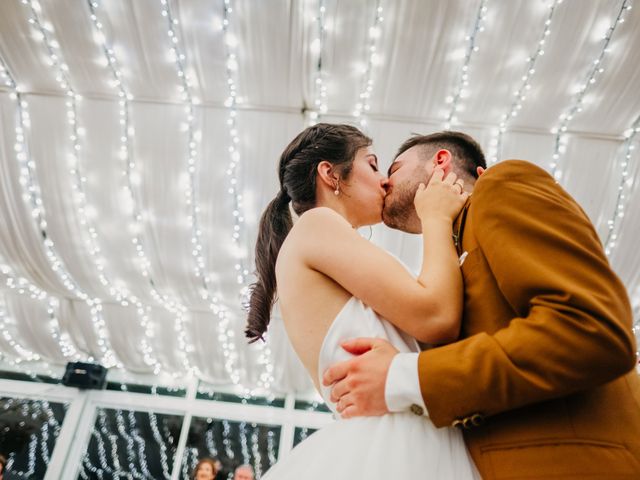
(429,307)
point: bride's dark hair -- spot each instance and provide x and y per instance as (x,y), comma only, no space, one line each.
(297,171)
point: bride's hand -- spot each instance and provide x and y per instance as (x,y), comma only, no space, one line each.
(442,198)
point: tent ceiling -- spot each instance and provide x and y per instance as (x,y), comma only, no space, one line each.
(421,49)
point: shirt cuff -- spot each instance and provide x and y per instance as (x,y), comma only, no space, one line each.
(402,387)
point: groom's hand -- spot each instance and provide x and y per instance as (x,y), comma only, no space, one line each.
(358,383)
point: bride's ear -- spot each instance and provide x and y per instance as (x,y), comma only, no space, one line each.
(327,174)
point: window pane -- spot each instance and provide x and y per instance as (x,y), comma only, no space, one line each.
(29,430)
(232,443)
(208,392)
(311,406)
(131,444)
(301,433)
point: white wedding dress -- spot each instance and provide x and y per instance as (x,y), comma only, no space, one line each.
(392,446)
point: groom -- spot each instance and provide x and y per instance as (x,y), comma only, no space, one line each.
(542,380)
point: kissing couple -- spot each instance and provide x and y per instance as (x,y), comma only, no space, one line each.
(510,355)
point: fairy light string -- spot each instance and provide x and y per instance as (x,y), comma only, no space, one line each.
(129,171)
(460,91)
(24,354)
(225,335)
(624,187)
(577,105)
(32,190)
(23,287)
(520,94)
(319,88)
(225,332)
(363,106)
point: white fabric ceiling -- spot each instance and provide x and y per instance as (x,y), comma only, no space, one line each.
(421,51)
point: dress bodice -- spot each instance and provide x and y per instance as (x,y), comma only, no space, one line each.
(374,448)
(354,320)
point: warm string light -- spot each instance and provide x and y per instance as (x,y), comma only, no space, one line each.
(127,131)
(44,438)
(520,95)
(208,440)
(153,422)
(463,82)
(189,462)
(33,409)
(624,188)
(33,200)
(226,334)
(363,106)
(130,445)
(102,452)
(123,296)
(23,287)
(24,368)
(179,59)
(23,353)
(304,434)
(135,446)
(271,447)
(244,447)
(226,441)
(31,189)
(255,450)
(87,465)
(317,49)
(135,432)
(577,104)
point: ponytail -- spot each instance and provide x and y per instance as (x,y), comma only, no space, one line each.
(275,225)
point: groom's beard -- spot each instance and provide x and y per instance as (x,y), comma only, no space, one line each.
(399,211)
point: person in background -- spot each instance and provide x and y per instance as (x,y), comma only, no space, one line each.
(206,469)
(219,472)
(243,472)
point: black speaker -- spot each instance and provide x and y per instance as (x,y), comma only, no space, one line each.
(85,375)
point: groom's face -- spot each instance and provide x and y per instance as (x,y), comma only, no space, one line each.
(405,174)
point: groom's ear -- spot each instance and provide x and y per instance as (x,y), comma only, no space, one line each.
(443,159)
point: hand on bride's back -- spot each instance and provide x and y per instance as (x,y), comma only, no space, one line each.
(442,198)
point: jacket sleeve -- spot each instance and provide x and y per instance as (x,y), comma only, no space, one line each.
(572,328)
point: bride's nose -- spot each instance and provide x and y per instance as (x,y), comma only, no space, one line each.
(384,182)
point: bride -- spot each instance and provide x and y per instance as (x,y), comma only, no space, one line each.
(332,285)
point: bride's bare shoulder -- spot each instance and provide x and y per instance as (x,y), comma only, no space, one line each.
(319,218)
(312,226)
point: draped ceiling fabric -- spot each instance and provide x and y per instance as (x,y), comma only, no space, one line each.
(422,48)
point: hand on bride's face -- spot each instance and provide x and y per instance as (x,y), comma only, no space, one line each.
(442,198)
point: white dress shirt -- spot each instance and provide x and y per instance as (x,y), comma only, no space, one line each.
(402,387)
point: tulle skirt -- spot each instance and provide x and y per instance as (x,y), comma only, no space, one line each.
(393,446)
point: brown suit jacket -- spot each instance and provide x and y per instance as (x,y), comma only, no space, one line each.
(542,381)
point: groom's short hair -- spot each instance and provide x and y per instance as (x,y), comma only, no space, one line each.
(467,153)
